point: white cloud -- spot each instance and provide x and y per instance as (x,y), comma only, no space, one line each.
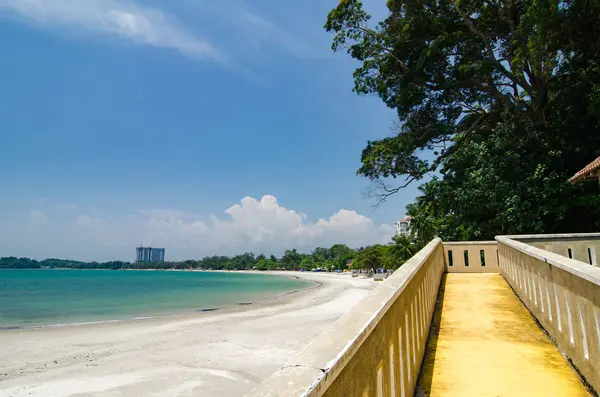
(259,226)
(38,216)
(253,225)
(123,18)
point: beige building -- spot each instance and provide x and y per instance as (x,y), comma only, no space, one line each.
(403,227)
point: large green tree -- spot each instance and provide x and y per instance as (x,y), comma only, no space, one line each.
(500,97)
(291,259)
(371,258)
(400,250)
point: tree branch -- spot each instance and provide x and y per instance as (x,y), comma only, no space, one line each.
(383,191)
(381,47)
(490,51)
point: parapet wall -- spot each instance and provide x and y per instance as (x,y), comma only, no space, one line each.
(471,257)
(584,247)
(376,349)
(563,294)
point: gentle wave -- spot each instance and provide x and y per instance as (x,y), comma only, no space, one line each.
(82,323)
(47,298)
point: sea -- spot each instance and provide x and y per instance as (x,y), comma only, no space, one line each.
(50,297)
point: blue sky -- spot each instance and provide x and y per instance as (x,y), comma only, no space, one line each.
(206,127)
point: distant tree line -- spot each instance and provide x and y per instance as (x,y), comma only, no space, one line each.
(26,263)
(337,257)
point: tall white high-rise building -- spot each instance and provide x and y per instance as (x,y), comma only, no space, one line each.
(149,254)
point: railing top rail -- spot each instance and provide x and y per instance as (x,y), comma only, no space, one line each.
(553,236)
(326,356)
(579,269)
(470,242)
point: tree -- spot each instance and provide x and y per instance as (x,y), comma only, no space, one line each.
(291,259)
(371,258)
(341,254)
(501,185)
(402,249)
(306,263)
(321,254)
(266,264)
(18,263)
(502,98)
(244,261)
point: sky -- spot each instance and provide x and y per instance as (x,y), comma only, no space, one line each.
(205,127)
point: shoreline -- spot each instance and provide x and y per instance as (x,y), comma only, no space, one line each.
(222,353)
(230,308)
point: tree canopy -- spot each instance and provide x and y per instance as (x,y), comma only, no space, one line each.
(499,99)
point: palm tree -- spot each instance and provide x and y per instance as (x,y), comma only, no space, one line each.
(424,212)
(402,249)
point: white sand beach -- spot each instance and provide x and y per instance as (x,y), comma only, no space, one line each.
(222,353)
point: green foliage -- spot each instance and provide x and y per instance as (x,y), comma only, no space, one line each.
(328,258)
(501,98)
(306,263)
(19,263)
(390,256)
(402,249)
(373,257)
(291,259)
(341,254)
(266,264)
(501,185)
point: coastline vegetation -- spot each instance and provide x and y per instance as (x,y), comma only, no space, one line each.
(336,257)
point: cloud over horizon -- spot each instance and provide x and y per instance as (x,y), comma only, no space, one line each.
(123,18)
(252,225)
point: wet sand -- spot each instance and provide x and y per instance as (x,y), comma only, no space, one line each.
(221,353)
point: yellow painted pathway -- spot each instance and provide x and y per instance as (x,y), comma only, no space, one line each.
(484,342)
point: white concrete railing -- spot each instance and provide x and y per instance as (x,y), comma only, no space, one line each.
(376,349)
(564,296)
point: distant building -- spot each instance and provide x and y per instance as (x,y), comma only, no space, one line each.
(149,254)
(403,227)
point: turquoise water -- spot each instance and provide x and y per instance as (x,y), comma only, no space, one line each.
(49,297)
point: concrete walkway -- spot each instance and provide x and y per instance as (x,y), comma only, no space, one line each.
(484,342)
